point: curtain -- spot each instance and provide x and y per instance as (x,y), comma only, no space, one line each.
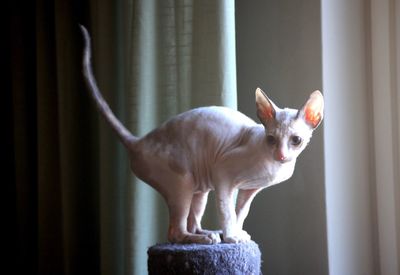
(183,57)
(73,206)
(361,50)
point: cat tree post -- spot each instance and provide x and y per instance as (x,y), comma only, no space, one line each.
(241,258)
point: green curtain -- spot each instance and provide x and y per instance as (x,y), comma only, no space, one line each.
(73,204)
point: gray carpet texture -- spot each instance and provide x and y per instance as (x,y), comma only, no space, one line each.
(241,258)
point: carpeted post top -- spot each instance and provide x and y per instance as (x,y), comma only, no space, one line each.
(223,258)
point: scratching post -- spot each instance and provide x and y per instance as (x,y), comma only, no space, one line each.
(241,258)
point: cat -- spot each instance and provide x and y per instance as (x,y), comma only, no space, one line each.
(214,148)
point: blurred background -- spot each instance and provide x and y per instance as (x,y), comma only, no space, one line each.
(72,205)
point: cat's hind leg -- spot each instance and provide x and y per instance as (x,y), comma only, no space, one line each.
(197,208)
(179,204)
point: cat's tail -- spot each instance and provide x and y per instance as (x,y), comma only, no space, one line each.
(123,133)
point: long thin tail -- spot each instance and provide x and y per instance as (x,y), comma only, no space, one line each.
(124,134)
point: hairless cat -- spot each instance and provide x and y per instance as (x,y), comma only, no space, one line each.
(214,148)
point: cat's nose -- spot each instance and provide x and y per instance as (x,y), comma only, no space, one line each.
(281,157)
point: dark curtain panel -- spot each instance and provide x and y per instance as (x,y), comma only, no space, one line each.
(52,180)
(72,204)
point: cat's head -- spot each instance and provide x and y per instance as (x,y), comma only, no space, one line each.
(288,131)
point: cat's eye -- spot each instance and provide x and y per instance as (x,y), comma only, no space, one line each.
(296,140)
(271,140)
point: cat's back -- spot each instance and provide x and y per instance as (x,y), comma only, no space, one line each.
(214,114)
(201,124)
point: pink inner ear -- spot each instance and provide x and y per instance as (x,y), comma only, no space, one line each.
(312,116)
(313,109)
(267,112)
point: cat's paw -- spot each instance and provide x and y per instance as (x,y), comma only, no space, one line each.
(244,236)
(232,239)
(198,238)
(241,237)
(186,237)
(215,236)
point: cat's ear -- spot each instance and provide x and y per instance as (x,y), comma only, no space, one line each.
(313,111)
(265,107)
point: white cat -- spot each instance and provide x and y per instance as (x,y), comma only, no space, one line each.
(214,148)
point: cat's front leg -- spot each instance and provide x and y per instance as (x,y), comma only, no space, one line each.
(243,202)
(227,215)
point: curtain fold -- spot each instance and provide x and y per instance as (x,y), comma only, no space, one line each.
(50,232)
(23,191)
(76,207)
